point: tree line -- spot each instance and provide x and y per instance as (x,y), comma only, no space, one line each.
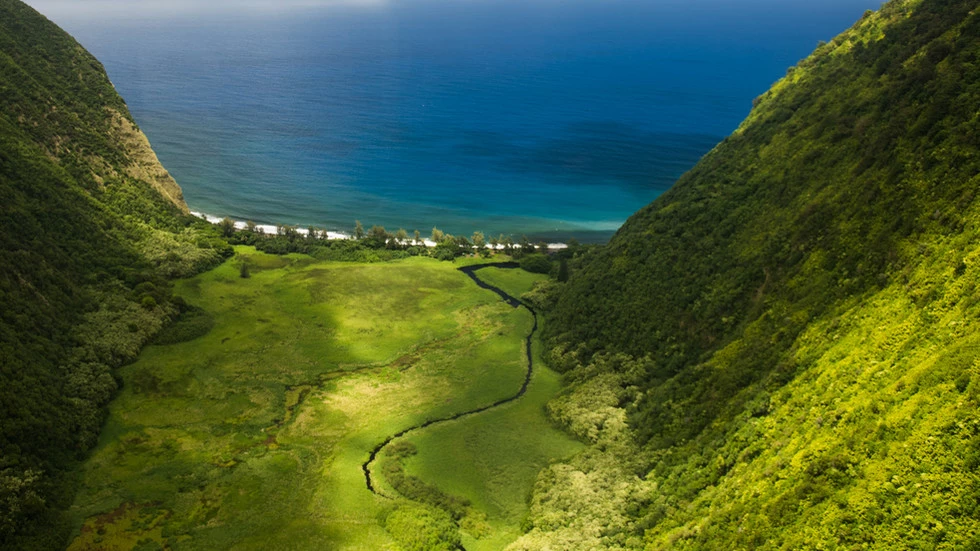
(378,243)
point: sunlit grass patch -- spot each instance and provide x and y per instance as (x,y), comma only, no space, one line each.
(252,435)
(513,282)
(492,459)
(127,527)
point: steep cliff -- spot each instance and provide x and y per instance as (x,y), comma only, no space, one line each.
(781,351)
(91,227)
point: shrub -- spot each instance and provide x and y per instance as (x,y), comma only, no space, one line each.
(421,528)
(536,263)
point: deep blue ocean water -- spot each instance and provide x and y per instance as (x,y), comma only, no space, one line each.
(546,118)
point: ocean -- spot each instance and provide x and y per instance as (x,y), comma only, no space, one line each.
(540,118)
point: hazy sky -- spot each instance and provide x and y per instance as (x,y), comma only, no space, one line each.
(102,9)
(131,8)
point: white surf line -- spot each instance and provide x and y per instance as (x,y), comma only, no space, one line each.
(270,229)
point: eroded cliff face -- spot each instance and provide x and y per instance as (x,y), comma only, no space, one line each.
(92,227)
(143,162)
(60,100)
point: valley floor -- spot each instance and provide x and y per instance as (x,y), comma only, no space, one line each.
(252,436)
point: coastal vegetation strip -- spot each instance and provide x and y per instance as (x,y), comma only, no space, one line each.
(399,238)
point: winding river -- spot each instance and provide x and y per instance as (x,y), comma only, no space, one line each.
(514,302)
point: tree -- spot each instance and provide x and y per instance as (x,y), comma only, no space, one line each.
(358,230)
(542,247)
(287,231)
(401,235)
(479,241)
(563,270)
(526,246)
(20,498)
(418,237)
(419,527)
(377,237)
(536,263)
(448,248)
(243,270)
(227,227)
(508,243)
(437,235)
(462,244)
(494,242)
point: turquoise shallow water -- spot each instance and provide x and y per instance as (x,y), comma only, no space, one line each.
(540,118)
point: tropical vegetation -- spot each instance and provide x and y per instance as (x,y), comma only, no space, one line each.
(780,352)
(249,424)
(92,230)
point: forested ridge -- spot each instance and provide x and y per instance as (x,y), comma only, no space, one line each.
(781,351)
(91,230)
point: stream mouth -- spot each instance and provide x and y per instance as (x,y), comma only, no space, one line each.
(512,301)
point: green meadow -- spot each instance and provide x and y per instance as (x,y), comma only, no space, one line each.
(492,458)
(249,430)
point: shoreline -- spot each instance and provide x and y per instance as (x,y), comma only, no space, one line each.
(270,229)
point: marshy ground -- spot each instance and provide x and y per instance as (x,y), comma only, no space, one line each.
(252,436)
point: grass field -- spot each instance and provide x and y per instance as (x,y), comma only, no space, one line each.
(252,436)
(493,458)
(512,281)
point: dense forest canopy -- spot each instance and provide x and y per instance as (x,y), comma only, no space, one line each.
(780,352)
(91,228)
(843,210)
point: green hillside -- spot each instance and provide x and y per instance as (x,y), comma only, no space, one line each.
(782,351)
(91,228)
